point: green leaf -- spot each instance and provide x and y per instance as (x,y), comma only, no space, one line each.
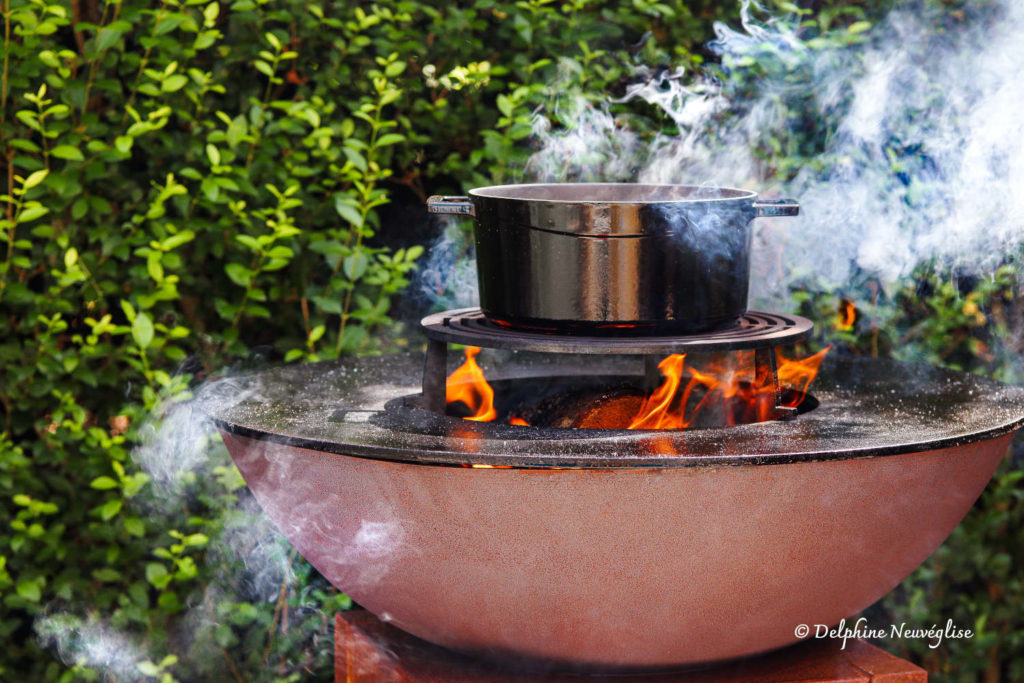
(264,68)
(169,23)
(135,526)
(505,105)
(34,179)
(174,83)
(148,669)
(353,155)
(107,575)
(355,265)
(106,38)
(154,571)
(129,310)
(177,239)
(103,483)
(31,213)
(389,139)
(349,213)
(142,330)
(249,241)
(29,590)
(123,143)
(154,267)
(213,154)
(239,274)
(109,510)
(67,152)
(196,539)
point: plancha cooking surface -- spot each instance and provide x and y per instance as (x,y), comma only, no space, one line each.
(362,407)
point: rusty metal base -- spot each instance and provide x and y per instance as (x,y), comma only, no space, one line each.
(367,650)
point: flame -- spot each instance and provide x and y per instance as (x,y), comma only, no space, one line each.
(518,421)
(847,315)
(467,384)
(655,413)
(798,374)
(736,390)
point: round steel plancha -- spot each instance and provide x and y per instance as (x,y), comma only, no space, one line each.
(714,543)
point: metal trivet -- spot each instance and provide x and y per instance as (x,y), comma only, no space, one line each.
(754,330)
(760,331)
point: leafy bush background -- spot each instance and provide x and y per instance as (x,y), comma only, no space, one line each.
(193,183)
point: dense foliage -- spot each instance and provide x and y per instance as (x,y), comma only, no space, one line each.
(192,182)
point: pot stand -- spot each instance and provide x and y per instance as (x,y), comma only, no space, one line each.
(756,330)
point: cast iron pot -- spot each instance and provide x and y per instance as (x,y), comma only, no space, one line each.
(610,257)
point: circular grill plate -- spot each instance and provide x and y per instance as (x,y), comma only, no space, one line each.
(755,329)
(868,408)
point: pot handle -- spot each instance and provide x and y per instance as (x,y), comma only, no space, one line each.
(455,204)
(770,208)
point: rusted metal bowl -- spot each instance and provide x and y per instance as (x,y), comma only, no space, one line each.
(617,550)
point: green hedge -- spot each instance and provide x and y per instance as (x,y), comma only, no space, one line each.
(192,181)
(187,181)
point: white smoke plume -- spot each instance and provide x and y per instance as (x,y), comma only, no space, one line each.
(446,277)
(922,153)
(247,561)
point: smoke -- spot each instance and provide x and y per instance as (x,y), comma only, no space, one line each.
(242,571)
(90,643)
(917,124)
(446,278)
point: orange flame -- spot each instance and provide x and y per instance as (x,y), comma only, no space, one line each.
(736,390)
(655,413)
(467,384)
(518,421)
(798,373)
(847,315)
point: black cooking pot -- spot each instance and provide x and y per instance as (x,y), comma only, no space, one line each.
(607,258)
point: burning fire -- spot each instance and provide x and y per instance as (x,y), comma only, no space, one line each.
(656,411)
(847,315)
(468,386)
(798,373)
(735,390)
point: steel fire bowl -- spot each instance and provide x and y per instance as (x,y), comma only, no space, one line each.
(631,555)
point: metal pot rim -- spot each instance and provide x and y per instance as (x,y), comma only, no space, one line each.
(536,192)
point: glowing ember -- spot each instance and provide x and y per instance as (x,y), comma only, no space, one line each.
(735,390)
(847,315)
(518,421)
(468,386)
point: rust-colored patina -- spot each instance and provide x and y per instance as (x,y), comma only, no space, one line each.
(634,567)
